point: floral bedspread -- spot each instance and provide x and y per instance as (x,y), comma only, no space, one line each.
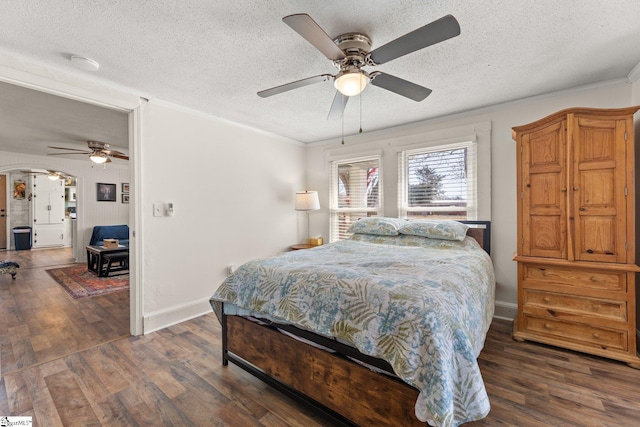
(423,305)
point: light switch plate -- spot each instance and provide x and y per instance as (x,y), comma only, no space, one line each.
(157,209)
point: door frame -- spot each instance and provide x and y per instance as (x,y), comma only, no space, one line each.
(7,236)
(68,86)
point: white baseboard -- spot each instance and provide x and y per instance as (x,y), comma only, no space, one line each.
(162,319)
(505,310)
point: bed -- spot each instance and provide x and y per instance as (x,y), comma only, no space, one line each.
(381,329)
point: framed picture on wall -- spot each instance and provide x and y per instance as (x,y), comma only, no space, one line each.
(125,187)
(125,198)
(19,189)
(106,192)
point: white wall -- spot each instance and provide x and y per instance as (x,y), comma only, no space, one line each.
(233,192)
(90,211)
(503,170)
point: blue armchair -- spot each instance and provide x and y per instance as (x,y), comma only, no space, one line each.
(101,232)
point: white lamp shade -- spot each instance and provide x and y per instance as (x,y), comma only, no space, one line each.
(307,201)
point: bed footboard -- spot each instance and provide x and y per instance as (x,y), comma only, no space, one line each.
(344,390)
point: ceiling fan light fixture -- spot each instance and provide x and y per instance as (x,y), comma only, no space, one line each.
(98,158)
(53,176)
(351,82)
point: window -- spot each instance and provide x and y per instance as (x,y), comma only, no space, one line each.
(438,182)
(356,189)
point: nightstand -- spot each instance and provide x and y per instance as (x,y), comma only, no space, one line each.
(301,246)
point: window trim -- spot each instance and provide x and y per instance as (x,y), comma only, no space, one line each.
(333,193)
(388,142)
(403,179)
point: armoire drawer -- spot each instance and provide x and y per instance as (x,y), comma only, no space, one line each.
(576,332)
(567,306)
(576,278)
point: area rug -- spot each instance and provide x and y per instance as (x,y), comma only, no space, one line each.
(82,283)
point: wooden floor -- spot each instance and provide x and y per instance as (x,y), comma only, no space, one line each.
(174,377)
(40,322)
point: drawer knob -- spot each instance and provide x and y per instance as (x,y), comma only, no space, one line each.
(589,251)
(545,299)
(596,335)
(547,326)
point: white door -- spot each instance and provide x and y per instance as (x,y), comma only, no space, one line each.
(48,212)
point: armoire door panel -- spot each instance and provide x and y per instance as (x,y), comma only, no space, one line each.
(546,147)
(599,179)
(544,193)
(597,188)
(598,242)
(597,139)
(546,237)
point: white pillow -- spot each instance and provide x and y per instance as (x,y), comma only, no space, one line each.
(444,230)
(378,226)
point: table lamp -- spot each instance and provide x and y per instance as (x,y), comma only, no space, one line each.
(307,201)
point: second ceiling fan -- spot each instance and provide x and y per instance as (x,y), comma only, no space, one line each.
(351,51)
(99,152)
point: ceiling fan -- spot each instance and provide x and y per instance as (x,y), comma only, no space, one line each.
(351,51)
(51,174)
(99,152)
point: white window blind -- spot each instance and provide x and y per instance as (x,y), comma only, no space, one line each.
(438,182)
(356,192)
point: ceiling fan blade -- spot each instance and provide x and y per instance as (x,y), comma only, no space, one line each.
(68,154)
(70,149)
(294,85)
(113,152)
(308,28)
(118,155)
(400,86)
(435,32)
(338,106)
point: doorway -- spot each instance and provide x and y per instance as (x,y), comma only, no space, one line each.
(89,100)
(3,212)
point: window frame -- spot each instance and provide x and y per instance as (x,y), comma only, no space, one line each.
(387,143)
(335,210)
(471,208)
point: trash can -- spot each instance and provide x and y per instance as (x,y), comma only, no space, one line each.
(22,237)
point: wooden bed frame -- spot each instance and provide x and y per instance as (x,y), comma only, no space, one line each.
(345,392)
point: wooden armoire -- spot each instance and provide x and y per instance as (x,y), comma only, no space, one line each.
(576,232)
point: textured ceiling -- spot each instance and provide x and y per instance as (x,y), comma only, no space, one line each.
(213,55)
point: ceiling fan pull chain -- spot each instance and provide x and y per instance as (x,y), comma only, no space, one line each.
(343,104)
(360,100)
